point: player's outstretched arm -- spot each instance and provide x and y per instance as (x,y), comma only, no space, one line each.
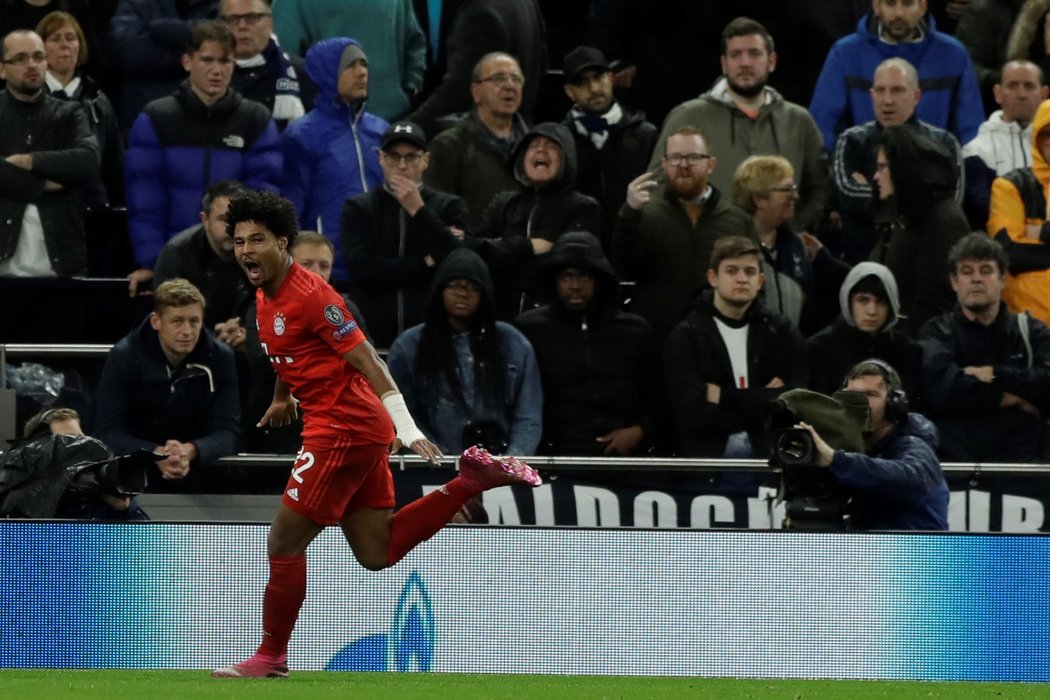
(283,409)
(366,360)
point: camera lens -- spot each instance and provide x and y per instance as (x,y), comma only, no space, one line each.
(795,446)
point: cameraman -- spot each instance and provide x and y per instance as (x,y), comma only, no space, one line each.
(897,483)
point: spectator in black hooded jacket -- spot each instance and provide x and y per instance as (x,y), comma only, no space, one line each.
(519,228)
(599,366)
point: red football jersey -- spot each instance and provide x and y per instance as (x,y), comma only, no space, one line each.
(305,330)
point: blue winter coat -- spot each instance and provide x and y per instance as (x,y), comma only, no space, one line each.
(899,486)
(950,100)
(330,154)
(178,147)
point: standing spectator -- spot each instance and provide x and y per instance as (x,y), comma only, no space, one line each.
(28,14)
(898,29)
(985,30)
(894,95)
(481,28)
(613,142)
(665,244)
(518,228)
(333,153)
(47,150)
(472,158)
(867,328)
(169,386)
(919,221)
(729,357)
(1004,141)
(1018,220)
(264,72)
(468,377)
(148,39)
(744,116)
(800,273)
(985,370)
(66,79)
(181,144)
(386,30)
(395,236)
(599,365)
(203,255)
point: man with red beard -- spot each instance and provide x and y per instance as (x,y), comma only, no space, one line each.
(664,243)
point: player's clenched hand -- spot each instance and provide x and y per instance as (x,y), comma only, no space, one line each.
(280,413)
(426,449)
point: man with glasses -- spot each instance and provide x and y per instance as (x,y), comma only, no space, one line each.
(472,158)
(395,236)
(663,240)
(46,147)
(263,71)
(745,116)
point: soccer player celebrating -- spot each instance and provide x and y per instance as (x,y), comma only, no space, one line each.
(351,409)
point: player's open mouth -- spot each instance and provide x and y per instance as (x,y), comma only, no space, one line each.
(252,269)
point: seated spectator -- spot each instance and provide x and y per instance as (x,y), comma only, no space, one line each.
(919,222)
(729,357)
(985,370)
(468,378)
(181,144)
(333,153)
(518,228)
(613,141)
(47,151)
(169,386)
(800,273)
(148,39)
(395,236)
(203,256)
(314,252)
(66,79)
(866,329)
(894,96)
(1004,141)
(473,157)
(665,244)
(1018,220)
(599,365)
(264,72)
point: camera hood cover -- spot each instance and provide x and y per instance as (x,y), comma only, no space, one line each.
(839,418)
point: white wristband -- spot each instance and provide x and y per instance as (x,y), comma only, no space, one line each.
(406,428)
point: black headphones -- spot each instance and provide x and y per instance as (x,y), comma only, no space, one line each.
(896,399)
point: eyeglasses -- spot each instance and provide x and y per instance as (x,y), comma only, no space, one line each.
(880,167)
(683,158)
(409,159)
(501,78)
(21,59)
(250,18)
(793,189)
(467,289)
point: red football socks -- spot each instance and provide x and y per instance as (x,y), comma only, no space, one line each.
(420,519)
(284,595)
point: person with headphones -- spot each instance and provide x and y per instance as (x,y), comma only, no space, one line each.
(897,482)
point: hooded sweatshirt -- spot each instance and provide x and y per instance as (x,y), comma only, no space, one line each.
(439,414)
(1017,219)
(835,349)
(332,153)
(513,219)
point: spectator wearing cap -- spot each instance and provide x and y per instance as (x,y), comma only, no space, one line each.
(332,153)
(599,366)
(613,142)
(394,236)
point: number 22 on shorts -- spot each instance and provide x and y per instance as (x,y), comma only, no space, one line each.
(303,461)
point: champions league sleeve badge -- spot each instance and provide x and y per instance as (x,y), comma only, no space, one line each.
(334,315)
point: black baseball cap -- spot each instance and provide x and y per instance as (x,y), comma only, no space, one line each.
(580,59)
(404,131)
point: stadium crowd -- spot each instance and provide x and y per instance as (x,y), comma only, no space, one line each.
(580,228)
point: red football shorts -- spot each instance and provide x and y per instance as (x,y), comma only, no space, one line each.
(333,477)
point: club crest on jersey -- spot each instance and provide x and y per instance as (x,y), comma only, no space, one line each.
(278,324)
(333,315)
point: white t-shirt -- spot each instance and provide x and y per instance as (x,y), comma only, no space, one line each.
(30,258)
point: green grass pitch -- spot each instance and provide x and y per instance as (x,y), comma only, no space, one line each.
(19,684)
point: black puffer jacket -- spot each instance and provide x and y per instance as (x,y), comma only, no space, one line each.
(600,368)
(513,219)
